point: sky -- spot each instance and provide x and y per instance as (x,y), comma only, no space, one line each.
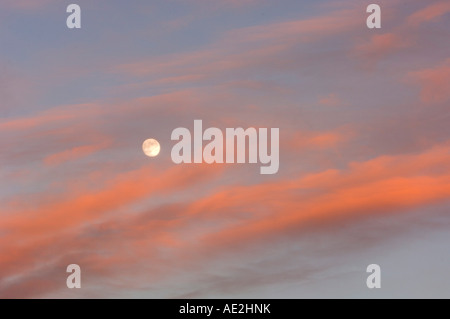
(364,174)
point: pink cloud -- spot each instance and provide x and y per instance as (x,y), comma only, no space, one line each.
(379,46)
(47,117)
(434,82)
(73,153)
(330,100)
(384,185)
(253,47)
(316,140)
(429,13)
(164,238)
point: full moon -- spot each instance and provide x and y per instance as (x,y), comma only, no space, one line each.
(151,147)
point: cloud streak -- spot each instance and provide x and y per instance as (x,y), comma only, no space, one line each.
(364,142)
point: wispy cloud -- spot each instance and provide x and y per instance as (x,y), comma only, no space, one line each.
(356,147)
(434,82)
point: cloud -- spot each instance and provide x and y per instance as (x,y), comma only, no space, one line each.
(230,3)
(330,100)
(123,189)
(127,236)
(73,154)
(53,223)
(80,191)
(383,185)
(400,37)
(316,140)
(380,46)
(301,30)
(431,12)
(269,46)
(434,82)
(47,117)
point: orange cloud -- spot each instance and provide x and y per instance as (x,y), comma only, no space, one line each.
(47,117)
(381,186)
(73,154)
(434,82)
(302,140)
(122,190)
(158,219)
(381,45)
(52,225)
(226,218)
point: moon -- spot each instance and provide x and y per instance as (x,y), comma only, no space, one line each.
(151,147)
